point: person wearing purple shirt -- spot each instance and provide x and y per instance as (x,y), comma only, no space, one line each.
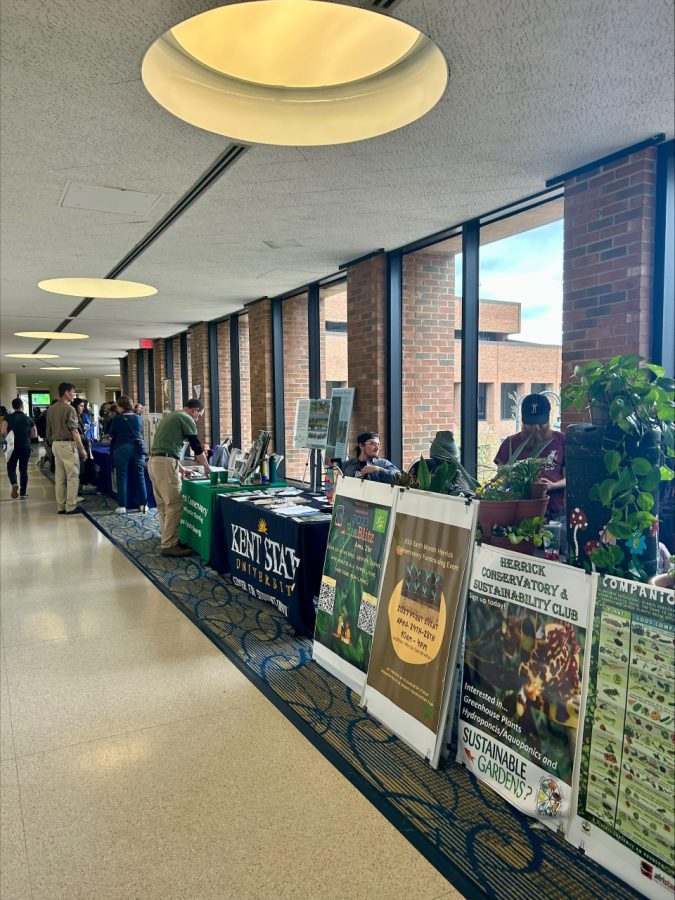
(537,436)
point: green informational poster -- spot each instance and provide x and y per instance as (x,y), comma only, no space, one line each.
(351,575)
(627,768)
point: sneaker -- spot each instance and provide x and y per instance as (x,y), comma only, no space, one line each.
(22,496)
(143,508)
(79,499)
(61,512)
(177,550)
(121,509)
(15,491)
(74,512)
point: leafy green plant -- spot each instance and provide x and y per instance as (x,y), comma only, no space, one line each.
(448,478)
(516,476)
(533,530)
(640,404)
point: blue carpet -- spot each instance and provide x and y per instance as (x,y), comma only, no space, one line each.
(473,837)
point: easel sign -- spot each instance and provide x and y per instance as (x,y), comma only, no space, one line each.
(311,424)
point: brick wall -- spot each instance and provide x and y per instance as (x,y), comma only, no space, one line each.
(261,371)
(608,269)
(160,373)
(198,347)
(132,356)
(296,375)
(366,300)
(428,350)
(224,379)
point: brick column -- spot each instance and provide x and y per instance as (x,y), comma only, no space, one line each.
(245,382)
(366,330)
(200,369)
(429,306)
(261,371)
(177,383)
(132,356)
(160,373)
(608,268)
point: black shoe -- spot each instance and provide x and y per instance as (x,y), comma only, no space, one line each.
(74,512)
(61,512)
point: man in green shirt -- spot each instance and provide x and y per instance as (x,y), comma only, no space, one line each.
(165,471)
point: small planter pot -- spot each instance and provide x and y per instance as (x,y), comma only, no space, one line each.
(496,512)
(526,547)
(528,509)
(538,490)
(599,413)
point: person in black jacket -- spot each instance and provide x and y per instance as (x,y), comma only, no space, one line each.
(24,429)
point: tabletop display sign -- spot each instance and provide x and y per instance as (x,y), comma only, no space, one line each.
(357,540)
(521,695)
(311,424)
(341,403)
(419,617)
(167,395)
(624,808)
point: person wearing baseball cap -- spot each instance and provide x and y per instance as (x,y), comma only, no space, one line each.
(537,438)
(365,462)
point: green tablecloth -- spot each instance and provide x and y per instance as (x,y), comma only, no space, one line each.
(198,507)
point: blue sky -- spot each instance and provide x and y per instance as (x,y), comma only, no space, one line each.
(526,268)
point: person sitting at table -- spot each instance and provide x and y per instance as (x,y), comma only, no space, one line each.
(365,462)
(128,452)
(165,471)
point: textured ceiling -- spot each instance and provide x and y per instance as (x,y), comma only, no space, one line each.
(537,87)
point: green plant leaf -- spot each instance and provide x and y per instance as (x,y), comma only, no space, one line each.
(641,466)
(612,460)
(652,479)
(606,491)
(620,530)
(659,371)
(665,410)
(645,500)
(423,475)
(666,473)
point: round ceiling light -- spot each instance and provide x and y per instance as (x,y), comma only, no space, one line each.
(101,288)
(33,355)
(52,335)
(295,72)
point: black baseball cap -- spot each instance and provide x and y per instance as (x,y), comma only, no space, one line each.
(535,409)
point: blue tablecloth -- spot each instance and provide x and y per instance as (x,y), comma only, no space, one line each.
(103,462)
(273,558)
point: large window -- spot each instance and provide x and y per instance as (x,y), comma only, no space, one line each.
(432,321)
(520,318)
(333,336)
(296,376)
(224,380)
(245,383)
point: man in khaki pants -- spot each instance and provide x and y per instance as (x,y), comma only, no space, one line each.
(165,471)
(67,448)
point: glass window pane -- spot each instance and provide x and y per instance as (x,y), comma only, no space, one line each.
(520,320)
(224,379)
(245,383)
(296,376)
(333,336)
(432,326)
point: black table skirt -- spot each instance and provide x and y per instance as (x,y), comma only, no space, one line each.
(274,558)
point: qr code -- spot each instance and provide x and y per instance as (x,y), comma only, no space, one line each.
(367,612)
(327,597)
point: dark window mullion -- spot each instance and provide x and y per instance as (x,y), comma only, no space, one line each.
(470,266)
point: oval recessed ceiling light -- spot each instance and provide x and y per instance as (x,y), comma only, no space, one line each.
(101,288)
(295,72)
(52,335)
(114,375)
(59,368)
(33,355)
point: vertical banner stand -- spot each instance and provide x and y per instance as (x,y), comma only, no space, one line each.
(315,471)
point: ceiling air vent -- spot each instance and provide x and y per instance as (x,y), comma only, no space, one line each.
(385,5)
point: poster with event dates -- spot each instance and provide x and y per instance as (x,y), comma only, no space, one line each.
(624,810)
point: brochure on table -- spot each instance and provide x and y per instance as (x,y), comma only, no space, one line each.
(526,623)
(419,618)
(626,770)
(341,403)
(311,424)
(357,542)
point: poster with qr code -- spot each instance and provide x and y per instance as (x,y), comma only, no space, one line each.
(347,608)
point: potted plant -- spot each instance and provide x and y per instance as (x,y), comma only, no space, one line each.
(639,402)
(524,536)
(446,478)
(508,498)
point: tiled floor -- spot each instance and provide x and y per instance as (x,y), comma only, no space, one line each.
(137,762)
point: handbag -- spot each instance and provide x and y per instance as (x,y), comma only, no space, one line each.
(137,440)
